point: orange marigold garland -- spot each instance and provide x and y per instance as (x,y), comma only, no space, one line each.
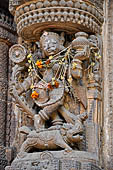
(34,95)
(56,84)
(50,86)
(48,61)
(39,64)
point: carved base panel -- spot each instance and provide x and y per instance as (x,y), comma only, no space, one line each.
(55,160)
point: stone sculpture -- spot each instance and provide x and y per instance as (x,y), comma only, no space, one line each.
(56,83)
(55,74)
(54,138)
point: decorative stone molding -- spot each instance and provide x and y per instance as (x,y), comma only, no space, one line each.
(35,16)
(13,4)
(3,99)
(7,36)
(7,21)
(7,28)
(108,86)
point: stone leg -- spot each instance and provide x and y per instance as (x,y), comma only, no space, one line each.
(45,114)
(60,142)
(39,123)
(27,144)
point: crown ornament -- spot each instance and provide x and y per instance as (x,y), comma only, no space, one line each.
(71,16)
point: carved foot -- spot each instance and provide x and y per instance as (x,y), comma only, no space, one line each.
(68,150)
(21,154)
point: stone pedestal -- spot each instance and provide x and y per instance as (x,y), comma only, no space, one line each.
(55,160)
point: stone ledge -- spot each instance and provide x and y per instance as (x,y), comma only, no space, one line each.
(56,160)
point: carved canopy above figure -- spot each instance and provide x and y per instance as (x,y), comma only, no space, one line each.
(33,17)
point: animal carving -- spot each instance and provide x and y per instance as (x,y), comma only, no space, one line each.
(51,139)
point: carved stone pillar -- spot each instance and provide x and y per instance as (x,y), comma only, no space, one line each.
(7,38)
(108,85)
(3,97)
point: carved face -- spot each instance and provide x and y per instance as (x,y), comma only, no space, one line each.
(51,46)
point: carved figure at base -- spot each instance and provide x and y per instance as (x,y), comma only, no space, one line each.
(52,139)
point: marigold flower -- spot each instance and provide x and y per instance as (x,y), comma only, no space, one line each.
(48,61)
(50,86)
(39,64)
(56,84)
(34,95)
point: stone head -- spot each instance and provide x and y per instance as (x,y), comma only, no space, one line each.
(51,43)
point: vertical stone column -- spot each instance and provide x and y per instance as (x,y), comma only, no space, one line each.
(7,38)
(108,85)
(3,99)
(94,112)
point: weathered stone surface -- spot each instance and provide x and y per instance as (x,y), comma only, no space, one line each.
(3,100)
(56,160)
(108,86)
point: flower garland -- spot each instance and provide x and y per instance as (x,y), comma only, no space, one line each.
(65,65)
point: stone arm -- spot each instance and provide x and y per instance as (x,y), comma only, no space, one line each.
(24,86)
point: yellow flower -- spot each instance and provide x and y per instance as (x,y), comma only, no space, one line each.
(63,59)
(50,57)
(70,79)
(62,78)
(92,63)
(29,56)
(53,78)
(96,54)
(30,67)
(74,65)
(29,61)
(29,70)
(32,87)
(99,57)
